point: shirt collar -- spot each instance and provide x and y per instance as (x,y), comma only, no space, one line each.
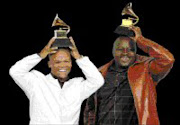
(66,79)
(54,80)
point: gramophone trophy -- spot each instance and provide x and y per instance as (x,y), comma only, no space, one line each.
(60,33)
(129,18)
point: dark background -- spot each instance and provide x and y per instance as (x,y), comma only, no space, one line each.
(28,30)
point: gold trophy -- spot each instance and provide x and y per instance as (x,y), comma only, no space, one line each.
(60,33)
(129,18)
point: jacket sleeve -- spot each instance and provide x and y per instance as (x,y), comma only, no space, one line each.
(162,60)
(90,111)
(20,72)
(94,80)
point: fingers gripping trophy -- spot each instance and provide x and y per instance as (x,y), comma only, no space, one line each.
(60,40)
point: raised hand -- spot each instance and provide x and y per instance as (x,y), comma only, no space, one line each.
(47,49)
(74,50)
(137,32)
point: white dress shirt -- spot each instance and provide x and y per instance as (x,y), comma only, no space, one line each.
(49,103)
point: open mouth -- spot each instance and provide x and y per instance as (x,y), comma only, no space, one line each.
(125,59)
(62,70)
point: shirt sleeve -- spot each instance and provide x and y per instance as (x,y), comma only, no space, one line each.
(20,72)
(94,80)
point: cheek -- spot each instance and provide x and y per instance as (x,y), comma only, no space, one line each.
(55,65)
(69,69)
(69,65)
(118,53)
(131,54)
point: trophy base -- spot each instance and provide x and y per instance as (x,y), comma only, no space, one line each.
(124,31)
(60,43)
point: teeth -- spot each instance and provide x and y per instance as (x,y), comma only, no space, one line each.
(125,58)
(62,70)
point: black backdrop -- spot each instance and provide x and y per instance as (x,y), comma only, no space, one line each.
(28,29)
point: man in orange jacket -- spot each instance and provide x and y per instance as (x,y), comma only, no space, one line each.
(128,96)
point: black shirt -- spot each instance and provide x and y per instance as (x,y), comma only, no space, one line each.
(115,99)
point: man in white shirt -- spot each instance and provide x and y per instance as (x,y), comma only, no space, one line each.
(54,98)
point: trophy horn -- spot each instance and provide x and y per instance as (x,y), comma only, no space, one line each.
(58,22)
(129,11)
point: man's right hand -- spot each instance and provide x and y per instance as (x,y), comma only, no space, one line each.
(47,49)
(137,31)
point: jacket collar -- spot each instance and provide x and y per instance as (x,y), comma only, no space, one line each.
(139,58)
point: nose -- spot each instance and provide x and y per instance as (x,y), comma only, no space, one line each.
(61,65)
(125,50)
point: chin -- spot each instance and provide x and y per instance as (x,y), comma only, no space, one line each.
(62,77)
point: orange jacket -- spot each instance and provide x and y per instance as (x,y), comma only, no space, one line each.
(143,77)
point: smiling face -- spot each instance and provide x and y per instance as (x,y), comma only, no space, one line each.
(60,63)
(124,51)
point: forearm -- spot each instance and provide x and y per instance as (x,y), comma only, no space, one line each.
(20,72)
(159,53)
(90,71)
(162,60)
(25,64)
(94,80)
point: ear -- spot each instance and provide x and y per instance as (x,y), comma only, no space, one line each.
(49,64)
(113,51)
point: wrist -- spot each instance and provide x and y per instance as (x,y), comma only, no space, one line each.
(79,57)
(41,55)
(139,37)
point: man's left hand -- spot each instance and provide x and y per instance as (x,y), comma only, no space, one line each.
(74,50)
